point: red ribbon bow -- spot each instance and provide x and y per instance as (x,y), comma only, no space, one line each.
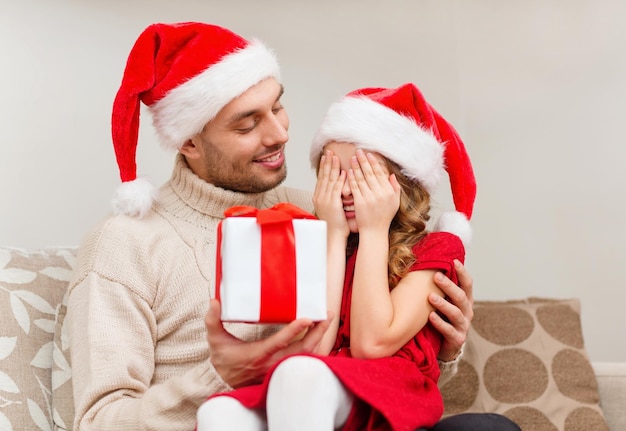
(281,212)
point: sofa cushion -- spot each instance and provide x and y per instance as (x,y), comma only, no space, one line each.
(526,360)
(32,285)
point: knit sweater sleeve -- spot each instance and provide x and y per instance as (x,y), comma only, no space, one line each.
(449,369)
(114,364)
(137,363)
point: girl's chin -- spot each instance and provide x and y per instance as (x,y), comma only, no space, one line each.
(353,226)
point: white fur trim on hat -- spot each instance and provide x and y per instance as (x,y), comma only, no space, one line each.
(185,109)
(457,223)
(134,198)
(375,127)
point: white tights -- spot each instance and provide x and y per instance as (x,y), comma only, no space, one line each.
(303,394)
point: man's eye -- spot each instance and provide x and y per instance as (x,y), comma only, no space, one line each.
(246,129)
(277,109)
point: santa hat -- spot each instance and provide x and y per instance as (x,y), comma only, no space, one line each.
(399,124)
(185,73)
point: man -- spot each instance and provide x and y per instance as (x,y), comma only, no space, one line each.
(137,310)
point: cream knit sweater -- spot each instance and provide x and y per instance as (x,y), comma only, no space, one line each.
(140,357)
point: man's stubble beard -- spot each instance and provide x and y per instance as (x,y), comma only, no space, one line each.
(231,179)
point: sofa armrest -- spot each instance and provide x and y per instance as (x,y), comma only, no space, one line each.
(33,284)
(611,378)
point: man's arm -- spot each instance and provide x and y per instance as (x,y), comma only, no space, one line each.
(113,362)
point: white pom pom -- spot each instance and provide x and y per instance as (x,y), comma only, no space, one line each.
(456,223)
(134,198)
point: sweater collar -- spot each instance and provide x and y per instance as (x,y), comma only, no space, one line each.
(186,192)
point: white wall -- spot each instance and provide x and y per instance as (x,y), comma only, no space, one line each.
(536,88)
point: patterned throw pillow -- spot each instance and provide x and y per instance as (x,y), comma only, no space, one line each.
(526,360)
(32,286)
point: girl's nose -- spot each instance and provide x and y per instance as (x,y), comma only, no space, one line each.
(346,191)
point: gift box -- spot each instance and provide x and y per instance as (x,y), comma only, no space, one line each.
(271,265)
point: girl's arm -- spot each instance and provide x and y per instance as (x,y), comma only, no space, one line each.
(335,278)
(328,207)
(382,321)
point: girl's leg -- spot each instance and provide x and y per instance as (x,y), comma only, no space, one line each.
(305,395)
(226,413)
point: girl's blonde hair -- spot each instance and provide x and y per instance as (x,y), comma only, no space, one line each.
(407,228)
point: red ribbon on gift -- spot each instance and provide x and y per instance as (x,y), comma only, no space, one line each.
(278,293)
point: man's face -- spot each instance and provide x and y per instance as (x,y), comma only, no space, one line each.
(242,148)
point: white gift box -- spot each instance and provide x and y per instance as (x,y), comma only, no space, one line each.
(272,272)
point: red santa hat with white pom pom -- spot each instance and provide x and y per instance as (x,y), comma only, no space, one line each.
(402,126)
(185,73)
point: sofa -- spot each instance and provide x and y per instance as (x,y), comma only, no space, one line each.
(523,358)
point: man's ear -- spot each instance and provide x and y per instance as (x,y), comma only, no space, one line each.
(191,149)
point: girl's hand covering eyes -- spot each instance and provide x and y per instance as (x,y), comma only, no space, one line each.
(327,195)
(376,193)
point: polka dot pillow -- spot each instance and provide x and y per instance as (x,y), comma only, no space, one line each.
(526,360)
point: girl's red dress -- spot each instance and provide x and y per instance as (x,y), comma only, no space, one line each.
(393,393)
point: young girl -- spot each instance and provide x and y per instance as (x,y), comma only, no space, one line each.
(379,154)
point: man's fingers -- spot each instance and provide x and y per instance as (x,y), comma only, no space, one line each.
(286,335)
(314,335)
(312,338)
(465,280)
(453,314)
(441,325)
(445,284)
(455,294)
(216,334)
(453,338)
(213,319)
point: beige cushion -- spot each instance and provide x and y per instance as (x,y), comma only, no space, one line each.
(527,361)
(32,285)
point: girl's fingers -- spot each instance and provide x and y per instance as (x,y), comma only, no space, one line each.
(372,170)
(322,176)
(339,184)
(376,167)
(328,172)
(325,165)
(364,163)
(358,183)
(330,181)
(334,168)
(394,183)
